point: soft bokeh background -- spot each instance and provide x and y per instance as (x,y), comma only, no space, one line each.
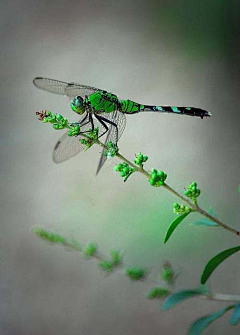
(153,52)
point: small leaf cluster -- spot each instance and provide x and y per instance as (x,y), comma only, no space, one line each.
(49,236)
(158,293)
(124,170)
(59,122)
(140,159)
(136,273)
(92,137)
(180,209)
(192,191)
(112,149)
(157,178)
(168,274)
(74,130)
(111,264)
(89,250)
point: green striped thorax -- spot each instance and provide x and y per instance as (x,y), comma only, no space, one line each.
(102,101)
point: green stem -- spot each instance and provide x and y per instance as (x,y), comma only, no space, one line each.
(209,296)
(222,297)
(193,206)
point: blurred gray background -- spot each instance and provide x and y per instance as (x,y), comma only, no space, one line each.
(180,53)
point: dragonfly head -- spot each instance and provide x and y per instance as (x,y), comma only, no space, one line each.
(78,105)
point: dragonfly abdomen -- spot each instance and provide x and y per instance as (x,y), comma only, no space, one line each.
(191,111)
(130,107)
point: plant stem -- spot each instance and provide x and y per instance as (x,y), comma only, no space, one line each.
(193,206)
(222,297)
(209,296)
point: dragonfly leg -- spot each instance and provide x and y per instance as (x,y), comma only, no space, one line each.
(91,120)
(102,123)
(101,119)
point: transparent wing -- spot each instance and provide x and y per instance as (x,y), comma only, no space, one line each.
(69,146)
(62,88)
(113,134)
(120,120)
(66,147)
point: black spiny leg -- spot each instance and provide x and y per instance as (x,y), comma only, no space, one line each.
(102,123)
(101,119)
(91,120)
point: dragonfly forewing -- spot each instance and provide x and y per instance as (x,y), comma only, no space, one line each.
(62,88)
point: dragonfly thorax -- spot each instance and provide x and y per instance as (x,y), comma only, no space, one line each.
(103,102)
(78,105)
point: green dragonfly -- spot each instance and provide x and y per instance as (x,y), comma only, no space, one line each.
(99,108)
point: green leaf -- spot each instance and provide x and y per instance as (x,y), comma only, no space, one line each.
(180,296)
(174,225)
(215,261)
(207,222)
(202,323)
(158,293)
(235,318)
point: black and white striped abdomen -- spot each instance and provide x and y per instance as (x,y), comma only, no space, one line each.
(191,111)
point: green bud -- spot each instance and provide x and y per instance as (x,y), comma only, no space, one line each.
(154,176)
(57,126)
(120,166)
(59,117)
(137,161)
(122,174)
(160,174)
(176,205)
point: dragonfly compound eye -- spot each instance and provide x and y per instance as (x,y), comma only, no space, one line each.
(77,105)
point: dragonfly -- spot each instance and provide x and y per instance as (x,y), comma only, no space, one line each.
(102,109)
